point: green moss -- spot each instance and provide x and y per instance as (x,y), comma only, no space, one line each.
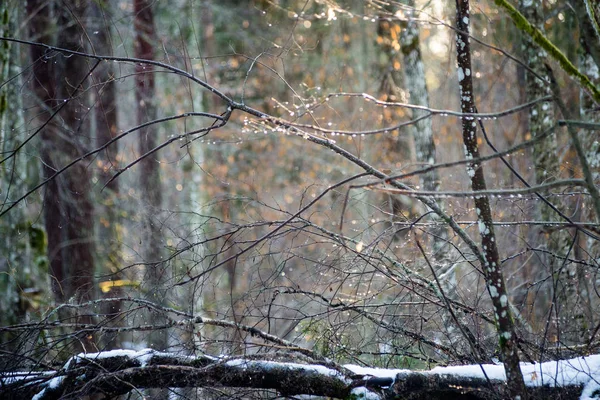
(538,37)
(37,240)
(5,16)
(3,105)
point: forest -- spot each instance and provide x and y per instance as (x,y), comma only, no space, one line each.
(292,199)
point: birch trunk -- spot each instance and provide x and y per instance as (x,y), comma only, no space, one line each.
(422,131)
(492,267)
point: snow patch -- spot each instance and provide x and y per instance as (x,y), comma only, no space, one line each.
(591,391)
(39,395)
(363,393)
(576,371)
(584,371)
(112,353)
(52,384)
(375,372)
(319,369)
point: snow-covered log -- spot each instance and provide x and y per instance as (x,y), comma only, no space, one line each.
(123,371)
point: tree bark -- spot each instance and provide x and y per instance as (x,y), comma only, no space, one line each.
(150,184)
(44,85)
(22,252)
(589,64)
(396,146)
(425,152)
(68,210)
(491,266)
(108,221)
(553,298)
(75,196)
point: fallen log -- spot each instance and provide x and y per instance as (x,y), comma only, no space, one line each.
(119,372)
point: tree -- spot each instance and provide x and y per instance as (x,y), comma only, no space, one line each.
(107,205)
(588,64)
(269,143)
(547,169)
(23,241)
(150,172)
(67,204)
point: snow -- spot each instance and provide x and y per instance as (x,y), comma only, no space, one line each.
(143,356)
(363,393)
(52,384)
(471,371)
(584,371)
(580,370)
(559,373)
(320,369)
(9,378)
(375,372)
(591,390)
(113,353)
(39,395)
(576,371)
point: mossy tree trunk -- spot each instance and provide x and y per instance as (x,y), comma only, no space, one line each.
(23,275)
(589,64)
(554,298)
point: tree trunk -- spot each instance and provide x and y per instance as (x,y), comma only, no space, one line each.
(59,83)
(589,65)
(553,299)
(396,146)
(425,153)
(74,136)
(108,224)
(492,271)
(149,167)
(23,274)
